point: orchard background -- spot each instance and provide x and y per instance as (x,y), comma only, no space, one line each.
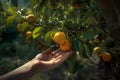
(87,24)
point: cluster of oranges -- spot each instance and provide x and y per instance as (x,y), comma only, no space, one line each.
(106,56)
(65,45)
(30,19)
(61,39)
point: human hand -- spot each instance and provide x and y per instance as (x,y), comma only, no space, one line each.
(49,59)
(44,61)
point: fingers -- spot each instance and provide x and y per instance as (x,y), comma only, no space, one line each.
(44,54)
(61,56)
(66,54)
(54,52)
(57,54)
(47,51)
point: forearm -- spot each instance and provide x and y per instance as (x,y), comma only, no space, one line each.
(22,73)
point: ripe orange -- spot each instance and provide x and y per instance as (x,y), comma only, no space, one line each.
(30,18)
(97,50)
(60,38)
(19,28)
(29,34)
(66,46)
(106,57)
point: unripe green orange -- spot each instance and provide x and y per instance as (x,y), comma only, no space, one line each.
(29,34)
(30,18)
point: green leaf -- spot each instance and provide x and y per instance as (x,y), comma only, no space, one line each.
(75,44)
(88,50)
(11,10)
(10,19)
(90,20)
(49,35)
(37,32)
(89,34)
(24,26)
(99,30)
(80,46)
(85,54)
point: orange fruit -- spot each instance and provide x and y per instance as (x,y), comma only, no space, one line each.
(19,28)
(60,38)
(30,18)
(66,46)
(106,57)
(29,34)
(97,50)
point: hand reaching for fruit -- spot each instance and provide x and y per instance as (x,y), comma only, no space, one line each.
(44,61)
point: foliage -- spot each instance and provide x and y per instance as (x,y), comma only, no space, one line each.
(80,20)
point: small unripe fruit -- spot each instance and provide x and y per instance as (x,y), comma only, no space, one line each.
(29,34)
(30,18)
(97,50)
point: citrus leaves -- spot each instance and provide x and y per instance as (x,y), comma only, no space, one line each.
(89,34)
(49,36)
(37,32)
(90,20)
(11,10)
(24,25)
(81,48)
(10,19)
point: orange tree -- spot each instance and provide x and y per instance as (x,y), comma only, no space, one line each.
(81,21)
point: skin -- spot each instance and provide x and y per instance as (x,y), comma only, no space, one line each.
(45,61)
